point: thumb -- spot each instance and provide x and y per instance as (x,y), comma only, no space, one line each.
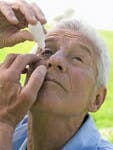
(34,83)
(25,35)
(16,38)
(20,36)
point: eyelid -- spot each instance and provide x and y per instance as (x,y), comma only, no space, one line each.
(78,58)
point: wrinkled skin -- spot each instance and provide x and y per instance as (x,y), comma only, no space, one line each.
(69,90)
(70,59)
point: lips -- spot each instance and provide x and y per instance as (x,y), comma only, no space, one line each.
(55,81)
(52,80)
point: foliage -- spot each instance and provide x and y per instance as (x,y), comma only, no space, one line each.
(107,134)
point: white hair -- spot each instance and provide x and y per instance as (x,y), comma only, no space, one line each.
(103,62)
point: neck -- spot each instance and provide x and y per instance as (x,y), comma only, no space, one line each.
(44,130)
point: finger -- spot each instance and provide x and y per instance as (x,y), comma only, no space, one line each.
(28,94)
(9,60)
(25,35)
(22,61)
(38,13)
(27,12)
(34,84)
(7,11)
(19,37)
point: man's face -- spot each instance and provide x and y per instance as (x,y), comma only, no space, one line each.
(69,85)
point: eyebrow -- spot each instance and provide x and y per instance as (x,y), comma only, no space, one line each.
(86,48)
(50,39)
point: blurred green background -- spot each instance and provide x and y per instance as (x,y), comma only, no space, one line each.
(104,117)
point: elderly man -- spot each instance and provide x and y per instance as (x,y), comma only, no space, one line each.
(66,81)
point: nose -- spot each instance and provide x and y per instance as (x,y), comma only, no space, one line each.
(57,61)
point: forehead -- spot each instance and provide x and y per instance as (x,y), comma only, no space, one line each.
(68,37)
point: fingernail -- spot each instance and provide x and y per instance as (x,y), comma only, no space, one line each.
(43,19)
(42,68)
(34,18)
(14,19)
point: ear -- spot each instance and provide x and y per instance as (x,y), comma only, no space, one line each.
(98,99)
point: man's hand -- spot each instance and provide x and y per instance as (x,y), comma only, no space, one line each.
(16,16)
(15,100)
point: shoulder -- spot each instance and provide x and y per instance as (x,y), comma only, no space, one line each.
(105,145)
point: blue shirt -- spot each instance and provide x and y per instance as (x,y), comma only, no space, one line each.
(86,138)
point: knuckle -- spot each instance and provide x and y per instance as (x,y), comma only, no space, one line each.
(40,75)
(7,76)
(3,42)
(20,57)
(39,9)
(23,3)
(11,55)
(26,97)
(2,3)
(38,79)
(26,58)
(30,8)
(9,12)
(5,79)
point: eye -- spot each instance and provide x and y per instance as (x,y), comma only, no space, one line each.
(77,59)
(47,52)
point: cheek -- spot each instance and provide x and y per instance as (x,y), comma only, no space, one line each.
(81,83)
(80,92)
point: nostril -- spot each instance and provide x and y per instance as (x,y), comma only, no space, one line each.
(59,67)
(49,65)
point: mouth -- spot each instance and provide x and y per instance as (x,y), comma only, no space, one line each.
(56,82)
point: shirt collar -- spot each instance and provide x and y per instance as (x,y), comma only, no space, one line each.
(24,145)
(82,140)
(84,137)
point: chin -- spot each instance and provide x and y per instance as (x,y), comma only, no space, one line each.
(43,101)
(49,98)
